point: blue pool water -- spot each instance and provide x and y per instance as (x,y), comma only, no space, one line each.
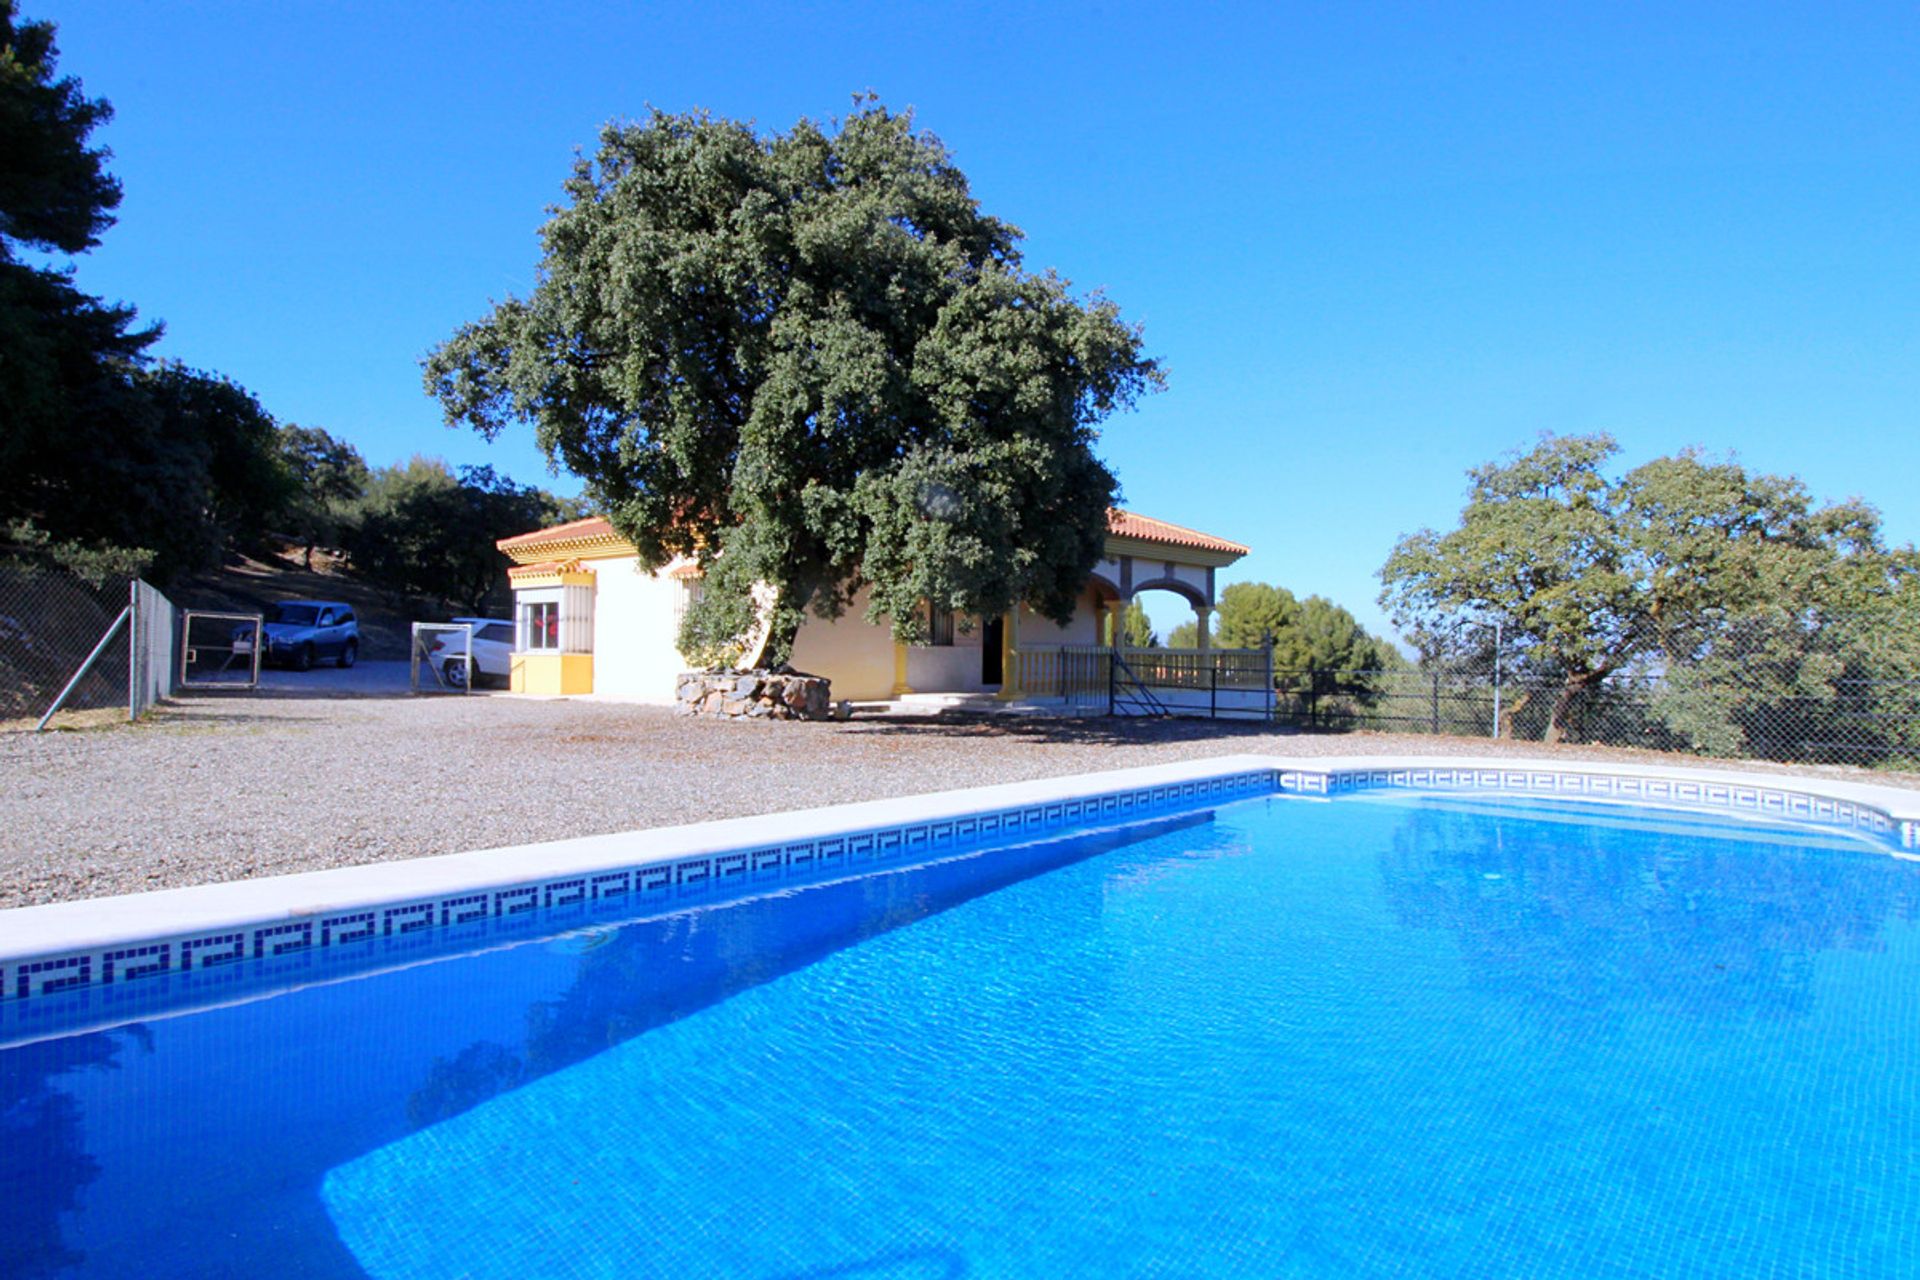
(1383,1036)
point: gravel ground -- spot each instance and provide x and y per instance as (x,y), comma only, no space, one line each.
(296,777)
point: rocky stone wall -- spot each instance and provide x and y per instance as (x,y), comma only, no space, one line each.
(757,695)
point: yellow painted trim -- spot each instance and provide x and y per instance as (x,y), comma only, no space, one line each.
(573,549)
(559,578)
(900,685)
(554,674)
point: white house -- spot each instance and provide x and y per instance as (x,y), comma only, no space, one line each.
(588,619)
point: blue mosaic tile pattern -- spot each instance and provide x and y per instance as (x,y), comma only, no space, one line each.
(63,990)
(1414,1033)
(1781,802)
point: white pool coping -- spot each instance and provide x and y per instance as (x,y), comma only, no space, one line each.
(97,924)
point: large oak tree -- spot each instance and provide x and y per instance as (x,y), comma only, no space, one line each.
(1685,566)
(809,359)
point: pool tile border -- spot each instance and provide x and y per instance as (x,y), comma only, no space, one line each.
(377,934)
(66,965)
(1752,794)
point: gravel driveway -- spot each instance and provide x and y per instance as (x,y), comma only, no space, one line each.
(293,778)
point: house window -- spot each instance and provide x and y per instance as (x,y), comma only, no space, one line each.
(540,625)
(940,627)
(688,596)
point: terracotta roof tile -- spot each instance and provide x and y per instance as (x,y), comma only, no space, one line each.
(1127,524)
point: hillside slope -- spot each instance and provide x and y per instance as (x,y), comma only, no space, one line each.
(248,585)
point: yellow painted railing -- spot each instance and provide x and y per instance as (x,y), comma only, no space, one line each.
(1077,673)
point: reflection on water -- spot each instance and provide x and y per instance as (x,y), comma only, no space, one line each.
(196,1146)
(1577,918)
(38,1116)
(207,1162)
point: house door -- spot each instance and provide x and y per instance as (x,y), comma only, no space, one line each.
(992,636)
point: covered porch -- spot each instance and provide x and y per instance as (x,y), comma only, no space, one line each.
(1023,657)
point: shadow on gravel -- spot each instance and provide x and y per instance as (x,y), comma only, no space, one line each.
(1087,731)
(369,680)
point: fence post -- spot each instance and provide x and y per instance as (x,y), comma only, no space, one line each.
(136,649)
(1266,652)
(1435,700)
(1213,690)
(1496,678)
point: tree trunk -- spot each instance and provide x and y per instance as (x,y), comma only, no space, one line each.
(763,644)
(1572,689)
(1510,711)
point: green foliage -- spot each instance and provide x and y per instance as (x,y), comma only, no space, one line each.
(94,565)
(228,484)
(1184,636)
(1686,565)
(1319,650)
(1323,637)
(809,359)
(1249,614)
(330,477)
(424,530)
(55,192)
(81,452)
(98,449)
(74,429)
(1136,629)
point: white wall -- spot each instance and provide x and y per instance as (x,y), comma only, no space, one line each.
(634,631)
(854,654)
(953,668)
(1227,704)
(1037,630)
(1147,569)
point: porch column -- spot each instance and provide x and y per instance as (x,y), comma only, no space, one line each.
(1204,614)
(1009,656)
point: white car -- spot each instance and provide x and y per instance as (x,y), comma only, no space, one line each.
(492,653)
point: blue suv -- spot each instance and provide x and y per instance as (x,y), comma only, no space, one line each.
(299,633)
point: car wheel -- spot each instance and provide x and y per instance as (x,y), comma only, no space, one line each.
(454,672)
(303,658)
(350,654)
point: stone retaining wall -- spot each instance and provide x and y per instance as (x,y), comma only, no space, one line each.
(756,695)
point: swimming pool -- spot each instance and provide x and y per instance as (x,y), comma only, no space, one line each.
(1392,1033)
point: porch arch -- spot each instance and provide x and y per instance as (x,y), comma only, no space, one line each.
(1185,590)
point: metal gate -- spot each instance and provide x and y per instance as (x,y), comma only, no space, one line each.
(219,650)
(445,651)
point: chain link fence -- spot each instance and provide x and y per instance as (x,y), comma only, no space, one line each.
(53,621)
(1804,689)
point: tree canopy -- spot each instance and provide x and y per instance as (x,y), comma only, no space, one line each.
(809,359)
(423,529)
(65,358)
(329,476)
(1682,561)
(1136,628)
(55,191)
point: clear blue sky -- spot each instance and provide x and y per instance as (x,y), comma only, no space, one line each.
(1374,245)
